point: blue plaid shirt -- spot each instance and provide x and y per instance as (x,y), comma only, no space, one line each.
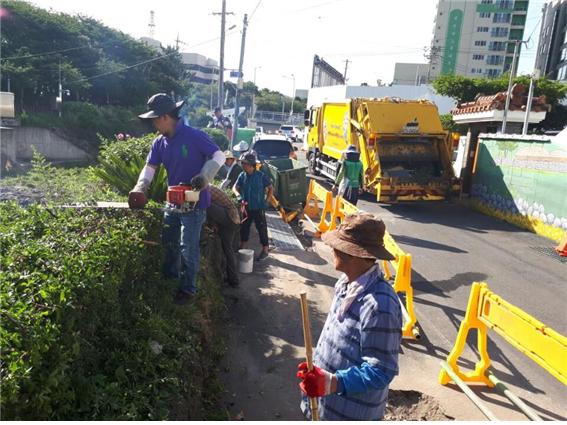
(361,349)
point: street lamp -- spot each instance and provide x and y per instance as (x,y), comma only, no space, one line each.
(292,76)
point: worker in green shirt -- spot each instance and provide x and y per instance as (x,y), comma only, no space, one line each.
(350,179)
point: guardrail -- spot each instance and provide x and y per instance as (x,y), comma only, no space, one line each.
(279,117)
(486,310)
(332,214)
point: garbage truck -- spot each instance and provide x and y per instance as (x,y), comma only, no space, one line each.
(405,152)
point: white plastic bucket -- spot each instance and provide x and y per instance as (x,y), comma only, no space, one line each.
(245,260)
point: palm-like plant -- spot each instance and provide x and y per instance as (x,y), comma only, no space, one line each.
(120,164)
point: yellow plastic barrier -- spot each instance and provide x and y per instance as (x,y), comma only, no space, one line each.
(340,209)
(486,310)
(402,282)
(401,265)
(319,193)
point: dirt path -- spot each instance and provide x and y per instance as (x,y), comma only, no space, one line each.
(265,336)
(265,344)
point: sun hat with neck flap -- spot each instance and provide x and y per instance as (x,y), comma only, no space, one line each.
(360,235)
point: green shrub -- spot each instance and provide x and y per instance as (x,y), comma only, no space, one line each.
(120,164)
(86,121)
(88,329)
(62,185)
(218,137)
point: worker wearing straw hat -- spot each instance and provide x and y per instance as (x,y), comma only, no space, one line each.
(356,357)
(233,170)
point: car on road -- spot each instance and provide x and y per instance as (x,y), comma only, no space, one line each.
(271,146)
(291,131)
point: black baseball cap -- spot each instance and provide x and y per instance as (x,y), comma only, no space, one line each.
(249,159)
(159,105)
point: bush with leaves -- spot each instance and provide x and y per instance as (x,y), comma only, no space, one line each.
(84,122)
(219,137)
(88,329)
(61,185)
(120,164)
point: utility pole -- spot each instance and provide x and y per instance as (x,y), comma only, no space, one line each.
(510,81)
(240,82)
(346,68)
(152,24)
(292,97)
(417,77)
(534,76)
(254,93)
(60,98)
(223,14)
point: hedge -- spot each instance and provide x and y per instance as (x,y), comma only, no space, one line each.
(88,327)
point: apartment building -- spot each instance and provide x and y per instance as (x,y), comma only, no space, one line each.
(475,38)
(203,69)
(551,57)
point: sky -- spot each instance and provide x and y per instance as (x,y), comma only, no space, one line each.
(283,35)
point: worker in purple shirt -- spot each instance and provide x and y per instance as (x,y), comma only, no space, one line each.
(189,157)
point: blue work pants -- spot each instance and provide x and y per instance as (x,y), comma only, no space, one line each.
(181,235)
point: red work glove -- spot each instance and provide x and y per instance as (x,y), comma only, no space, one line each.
(316,383)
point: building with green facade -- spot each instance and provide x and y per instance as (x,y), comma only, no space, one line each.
(476,38)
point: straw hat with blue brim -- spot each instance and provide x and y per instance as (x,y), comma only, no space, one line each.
(160,104)
(360,235)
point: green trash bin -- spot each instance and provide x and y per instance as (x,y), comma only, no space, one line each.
(289,179)
(246,134)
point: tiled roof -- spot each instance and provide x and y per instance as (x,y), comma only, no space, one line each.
(497,101)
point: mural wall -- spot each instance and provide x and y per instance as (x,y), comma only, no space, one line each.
(523,181)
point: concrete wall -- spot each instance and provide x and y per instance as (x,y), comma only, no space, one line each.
(410,74)
(523,180)
(16,143)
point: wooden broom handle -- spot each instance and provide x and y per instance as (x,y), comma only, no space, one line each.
(308,350)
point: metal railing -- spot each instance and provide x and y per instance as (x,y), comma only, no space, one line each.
(278,117)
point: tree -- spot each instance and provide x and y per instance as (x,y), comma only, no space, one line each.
(98,64)
(465,89)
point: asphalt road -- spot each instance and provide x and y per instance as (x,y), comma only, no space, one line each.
(452,247)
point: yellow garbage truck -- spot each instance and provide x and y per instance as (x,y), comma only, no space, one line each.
(403,147)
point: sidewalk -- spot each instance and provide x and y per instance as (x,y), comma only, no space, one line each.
(265,343)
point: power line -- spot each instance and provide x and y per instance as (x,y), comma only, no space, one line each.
(123,69)
(254,11)
(140,63)
(46,53)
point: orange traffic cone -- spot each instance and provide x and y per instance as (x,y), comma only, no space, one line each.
(562,247)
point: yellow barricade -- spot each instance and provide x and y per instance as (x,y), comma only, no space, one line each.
(312,210)
(340,209)
(402,282)
(486,310)
(401,265)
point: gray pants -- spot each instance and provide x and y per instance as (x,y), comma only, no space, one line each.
(228,232)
